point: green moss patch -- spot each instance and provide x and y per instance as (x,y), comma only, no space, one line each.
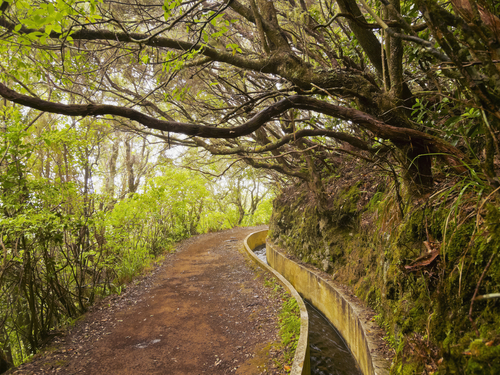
(365,238)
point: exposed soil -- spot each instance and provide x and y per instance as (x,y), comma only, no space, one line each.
(205,310)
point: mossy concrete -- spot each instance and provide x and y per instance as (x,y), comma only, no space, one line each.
(301,361)
(348,316)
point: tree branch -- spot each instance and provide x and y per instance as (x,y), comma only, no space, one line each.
(401,136)
(144,39)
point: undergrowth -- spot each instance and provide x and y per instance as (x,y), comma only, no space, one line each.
(289,324)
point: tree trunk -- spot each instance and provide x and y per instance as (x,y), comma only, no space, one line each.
(418,174)
(129,164)
(110,183)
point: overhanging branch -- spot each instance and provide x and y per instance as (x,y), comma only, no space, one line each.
(400,136)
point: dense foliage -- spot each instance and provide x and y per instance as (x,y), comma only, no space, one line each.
(79,219)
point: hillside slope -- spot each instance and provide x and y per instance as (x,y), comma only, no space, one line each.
(421,263)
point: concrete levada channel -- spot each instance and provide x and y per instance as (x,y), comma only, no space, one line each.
(329,353)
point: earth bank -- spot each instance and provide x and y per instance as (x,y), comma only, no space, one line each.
(417,261)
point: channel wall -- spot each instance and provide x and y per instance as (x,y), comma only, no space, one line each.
(349,317)
(301,362)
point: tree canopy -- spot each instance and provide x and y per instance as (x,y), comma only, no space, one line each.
(285,85)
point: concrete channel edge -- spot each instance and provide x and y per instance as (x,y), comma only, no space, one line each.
(301,361)
(347,315)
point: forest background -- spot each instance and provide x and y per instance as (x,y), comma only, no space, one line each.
(86,209)
(377,120)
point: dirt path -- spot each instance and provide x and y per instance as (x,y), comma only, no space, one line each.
(204,311)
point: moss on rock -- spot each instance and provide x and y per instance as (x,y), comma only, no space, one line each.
(362,239)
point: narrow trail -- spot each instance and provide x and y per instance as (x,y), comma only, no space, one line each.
(204,311)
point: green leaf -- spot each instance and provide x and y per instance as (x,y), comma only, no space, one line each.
(234,47)
(452,121)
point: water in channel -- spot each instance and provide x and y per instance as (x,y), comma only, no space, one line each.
(260,251)
(329,353)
